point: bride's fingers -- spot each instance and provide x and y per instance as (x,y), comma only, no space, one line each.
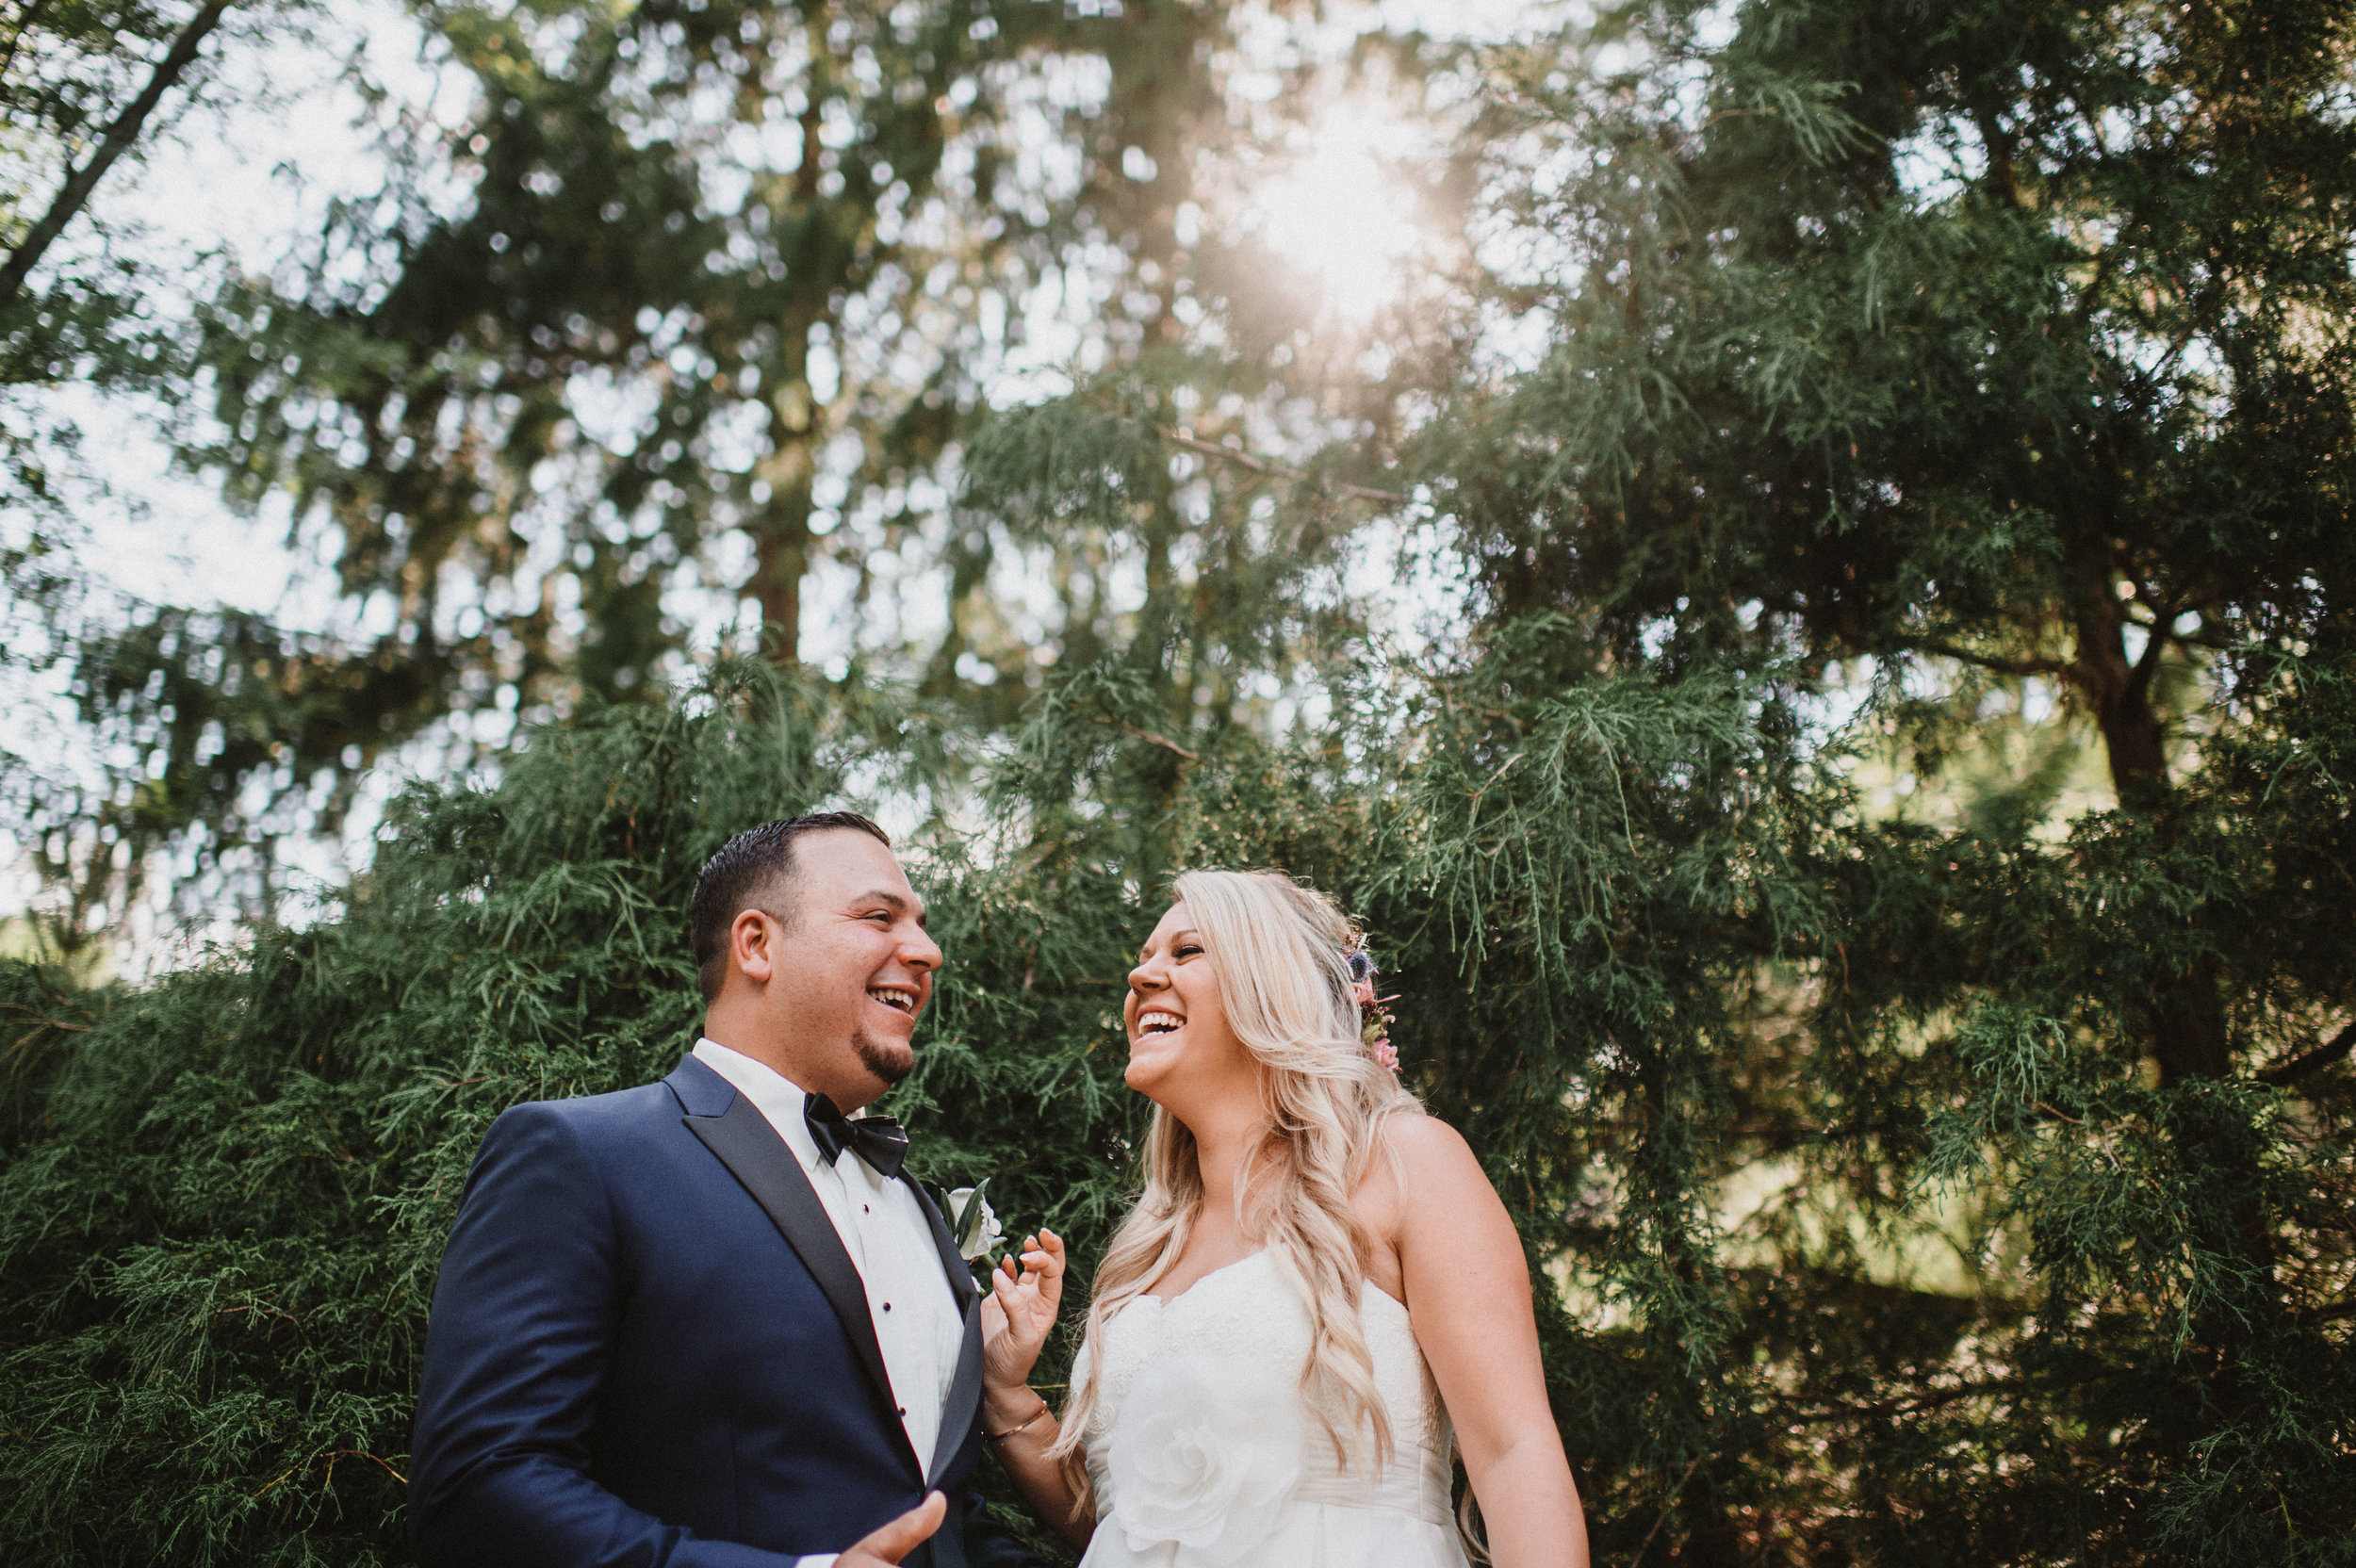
(1017,1307)
(1051,1264)
(1010,1287)
(1006,1298)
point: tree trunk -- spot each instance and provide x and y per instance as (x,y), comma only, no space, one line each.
(781,556)
(2186,1013)
(2119,691)
(781,532)
(796,426)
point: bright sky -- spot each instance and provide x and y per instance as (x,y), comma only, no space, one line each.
(244,182)
(249,183)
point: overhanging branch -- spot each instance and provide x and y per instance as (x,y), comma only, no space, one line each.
(1162,741)
(116,140)
(2313,1061)
(2001,665)
(1275,470)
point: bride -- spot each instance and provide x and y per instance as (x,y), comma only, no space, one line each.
(1318,1299)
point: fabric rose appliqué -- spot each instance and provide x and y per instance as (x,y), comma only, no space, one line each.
(1202,1463)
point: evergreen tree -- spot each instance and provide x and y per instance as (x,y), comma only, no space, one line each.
(1936,367)
(689,281)
(189,715)
(1994,347)
(1957,1185)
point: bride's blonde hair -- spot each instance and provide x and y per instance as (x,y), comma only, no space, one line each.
(1285,986)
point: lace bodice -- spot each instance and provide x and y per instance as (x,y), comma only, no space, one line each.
(1206,1450)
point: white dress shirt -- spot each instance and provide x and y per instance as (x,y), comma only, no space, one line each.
(883,1228)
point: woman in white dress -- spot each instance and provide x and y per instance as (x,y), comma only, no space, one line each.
(1318,1300)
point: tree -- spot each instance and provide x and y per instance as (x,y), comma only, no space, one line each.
(695,304)
(685,281)
(1987,350)
(725,273)
(85,306)
(118,137)
(2009,339)
(1960,1182)
(1927,368)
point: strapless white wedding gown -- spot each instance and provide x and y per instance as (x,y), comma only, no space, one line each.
(1206,1453)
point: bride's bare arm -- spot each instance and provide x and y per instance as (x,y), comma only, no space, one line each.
(1018,1423)
(1468,1297)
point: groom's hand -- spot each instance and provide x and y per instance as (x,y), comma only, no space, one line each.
(900,1536)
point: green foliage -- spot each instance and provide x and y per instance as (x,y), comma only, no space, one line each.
(71,74)
(1649,949)
(1967,1184)
(2002,334)
(230,724)
(721,270)
(1962,1189)
(688,285)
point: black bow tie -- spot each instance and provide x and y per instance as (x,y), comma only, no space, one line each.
(877,1139)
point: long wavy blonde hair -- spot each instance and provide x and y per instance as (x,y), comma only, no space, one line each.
(1285,986)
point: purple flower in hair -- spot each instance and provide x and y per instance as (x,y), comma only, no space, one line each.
(1374,1016)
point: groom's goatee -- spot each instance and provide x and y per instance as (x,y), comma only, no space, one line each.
(881,1059)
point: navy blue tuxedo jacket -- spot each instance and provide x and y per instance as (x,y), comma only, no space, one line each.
(649,1347)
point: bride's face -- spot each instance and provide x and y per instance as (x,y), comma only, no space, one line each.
(1181,1049)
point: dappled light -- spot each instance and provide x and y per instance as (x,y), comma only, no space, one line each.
(1790,567)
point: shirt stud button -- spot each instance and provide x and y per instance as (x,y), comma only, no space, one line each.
(887,1306)
(865,1208)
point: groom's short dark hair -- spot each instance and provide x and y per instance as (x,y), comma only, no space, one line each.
(753,871)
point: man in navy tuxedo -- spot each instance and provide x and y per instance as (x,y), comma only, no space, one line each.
(708,1323)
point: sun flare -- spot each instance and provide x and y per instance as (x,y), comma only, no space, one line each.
(1342,214)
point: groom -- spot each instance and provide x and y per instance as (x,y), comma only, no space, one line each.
(708,1323)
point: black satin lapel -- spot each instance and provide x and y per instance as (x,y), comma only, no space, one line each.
(755,1156)
(959,1406)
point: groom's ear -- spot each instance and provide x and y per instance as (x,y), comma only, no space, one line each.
(753,939)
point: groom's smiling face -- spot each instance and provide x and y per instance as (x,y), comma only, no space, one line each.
(841,969)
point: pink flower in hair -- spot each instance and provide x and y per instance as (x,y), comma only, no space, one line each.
(1375,1017)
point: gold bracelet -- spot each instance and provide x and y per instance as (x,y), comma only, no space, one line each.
(1029,1420)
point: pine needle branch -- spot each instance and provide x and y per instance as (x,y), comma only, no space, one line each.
(1162,741)
(1666,1507)
(332,1455)
(1992,661)
(1273,469)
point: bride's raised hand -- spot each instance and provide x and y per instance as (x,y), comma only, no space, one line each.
(1023,1298)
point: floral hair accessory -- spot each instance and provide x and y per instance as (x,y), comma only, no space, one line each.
(1373,1009)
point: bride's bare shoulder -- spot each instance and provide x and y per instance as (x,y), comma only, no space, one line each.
(1418,1151)
(1427,1146)
(1439,1177)
(1424,1183)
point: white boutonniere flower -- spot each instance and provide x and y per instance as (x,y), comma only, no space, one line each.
(973,1223)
